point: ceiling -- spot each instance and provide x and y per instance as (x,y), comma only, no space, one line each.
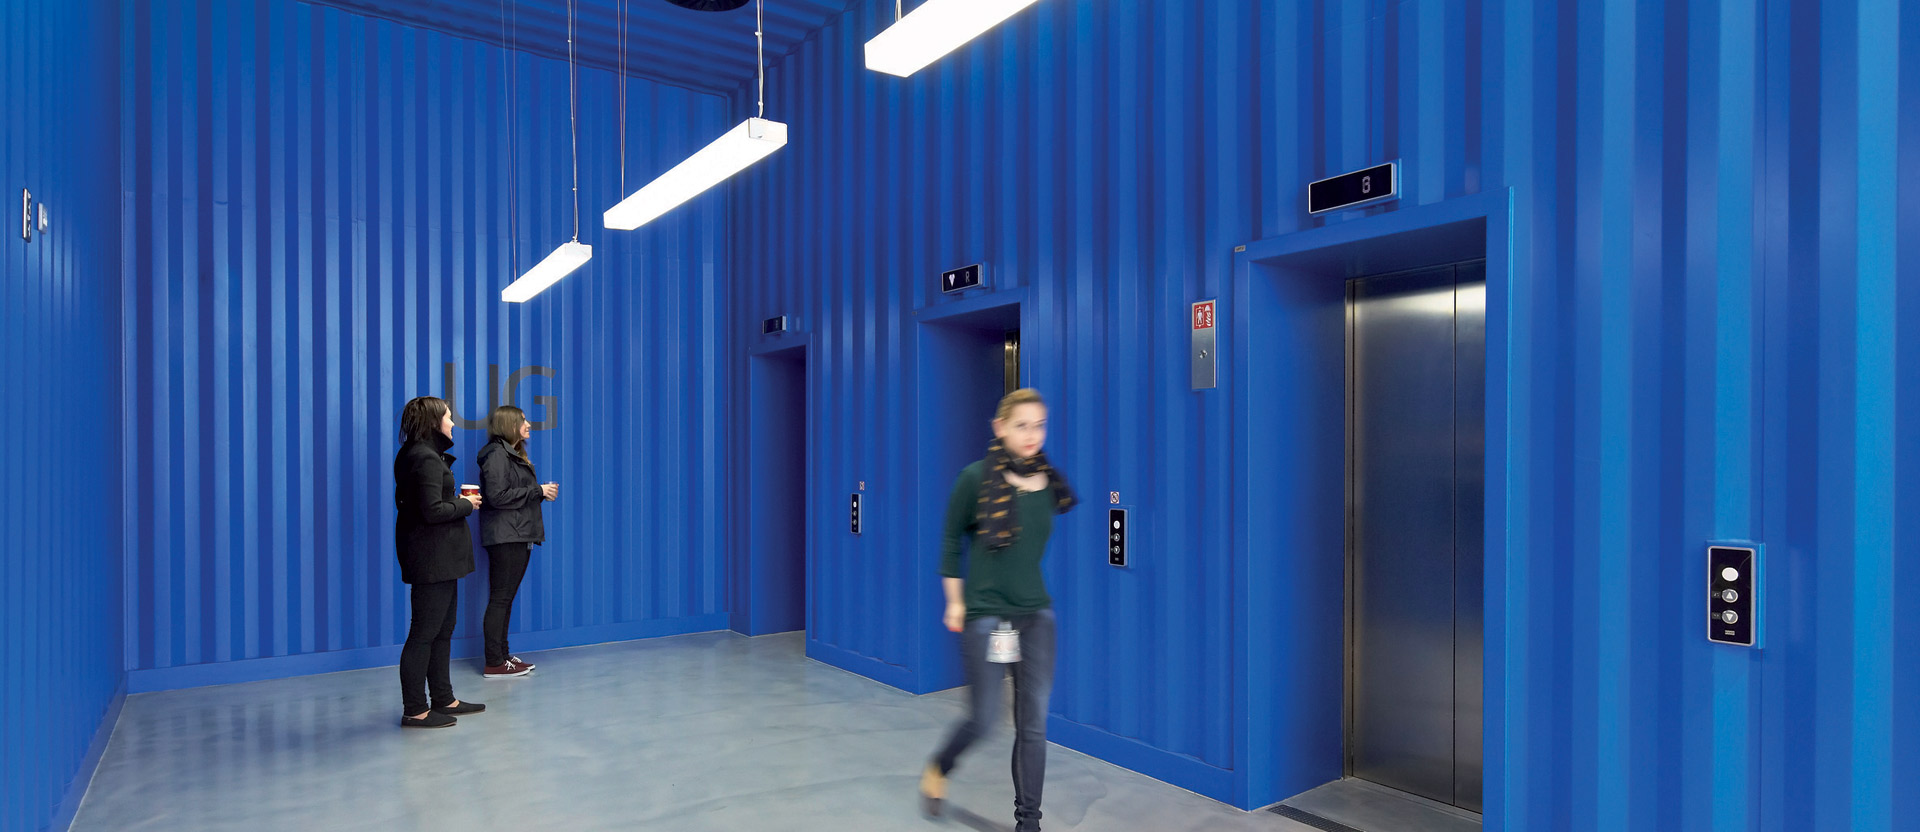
(706,51)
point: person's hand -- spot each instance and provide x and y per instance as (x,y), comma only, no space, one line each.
(956,617)
(551,490)
(472,498)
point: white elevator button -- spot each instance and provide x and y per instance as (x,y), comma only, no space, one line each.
(1730,574)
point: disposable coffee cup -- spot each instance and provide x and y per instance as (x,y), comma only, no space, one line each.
(469,491)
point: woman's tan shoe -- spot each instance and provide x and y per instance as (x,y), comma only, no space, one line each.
(933,790)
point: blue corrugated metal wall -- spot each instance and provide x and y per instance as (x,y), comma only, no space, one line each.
(60,602)
(317,225)
(1709,308)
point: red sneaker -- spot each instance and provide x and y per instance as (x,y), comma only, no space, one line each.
(516,660)
(505,671)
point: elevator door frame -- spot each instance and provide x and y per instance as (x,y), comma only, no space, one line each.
(986,318)
(758,570)
(1284,318)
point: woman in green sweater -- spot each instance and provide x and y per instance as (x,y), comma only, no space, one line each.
(1005,504)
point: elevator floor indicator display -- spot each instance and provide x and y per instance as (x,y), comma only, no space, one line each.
(1352,190)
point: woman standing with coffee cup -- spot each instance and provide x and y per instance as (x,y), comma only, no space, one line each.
(510,525)
(436,551)
(999,605)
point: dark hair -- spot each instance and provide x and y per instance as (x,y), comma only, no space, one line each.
(504,424)
(420,419)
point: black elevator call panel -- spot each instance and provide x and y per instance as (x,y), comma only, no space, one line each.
(1117,537)
(854,520)
(1733,578)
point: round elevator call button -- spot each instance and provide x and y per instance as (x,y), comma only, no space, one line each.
(1730,574)
(1730,616)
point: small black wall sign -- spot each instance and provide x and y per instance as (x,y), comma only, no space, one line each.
(777,323)
(1351,190)
(960,279)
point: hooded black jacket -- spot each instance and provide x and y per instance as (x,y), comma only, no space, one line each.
(510,497)
(430,529)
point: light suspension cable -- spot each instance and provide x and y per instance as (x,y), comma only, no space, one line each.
(506,109)
(570,256)
(735,150)
(573,119)
(621,107)
(760,49)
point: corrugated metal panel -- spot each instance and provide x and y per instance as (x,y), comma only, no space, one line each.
(319,227)
(1706,335)
(60,595)
(705,51)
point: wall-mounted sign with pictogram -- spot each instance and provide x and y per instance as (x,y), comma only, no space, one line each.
(1203,344)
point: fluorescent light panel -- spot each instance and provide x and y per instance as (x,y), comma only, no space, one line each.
(562,262)
(736,150)
(934,29)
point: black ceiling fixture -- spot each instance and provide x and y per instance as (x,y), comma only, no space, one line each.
(709,5)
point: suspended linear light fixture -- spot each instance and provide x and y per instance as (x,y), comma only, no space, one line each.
(934,29)
(570,256)
(736,150)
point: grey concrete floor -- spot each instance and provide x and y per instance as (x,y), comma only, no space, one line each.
(704,732)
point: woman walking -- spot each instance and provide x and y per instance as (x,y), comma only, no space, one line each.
(510,525)
(436,551)
(1006,504)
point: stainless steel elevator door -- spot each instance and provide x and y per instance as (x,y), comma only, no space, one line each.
(1416,347)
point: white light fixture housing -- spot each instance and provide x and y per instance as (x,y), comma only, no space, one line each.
(562,262)
(934,29)
(735,150)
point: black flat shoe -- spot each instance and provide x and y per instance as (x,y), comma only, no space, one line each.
(461,709)
(433,719)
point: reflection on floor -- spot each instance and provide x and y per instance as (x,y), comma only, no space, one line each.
(1358,804)
(692,733)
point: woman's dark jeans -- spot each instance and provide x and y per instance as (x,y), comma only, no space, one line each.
(423,661)
(506,565)
(1032,685)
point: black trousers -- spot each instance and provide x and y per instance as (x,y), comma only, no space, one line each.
(506,565)
(424,660)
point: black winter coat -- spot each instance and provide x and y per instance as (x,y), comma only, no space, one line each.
(510,497)
(430,531)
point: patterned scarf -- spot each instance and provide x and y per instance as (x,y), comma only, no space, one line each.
(998,525)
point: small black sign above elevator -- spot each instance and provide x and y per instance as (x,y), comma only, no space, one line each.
(962,279)
(1352,190)
(777,323)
